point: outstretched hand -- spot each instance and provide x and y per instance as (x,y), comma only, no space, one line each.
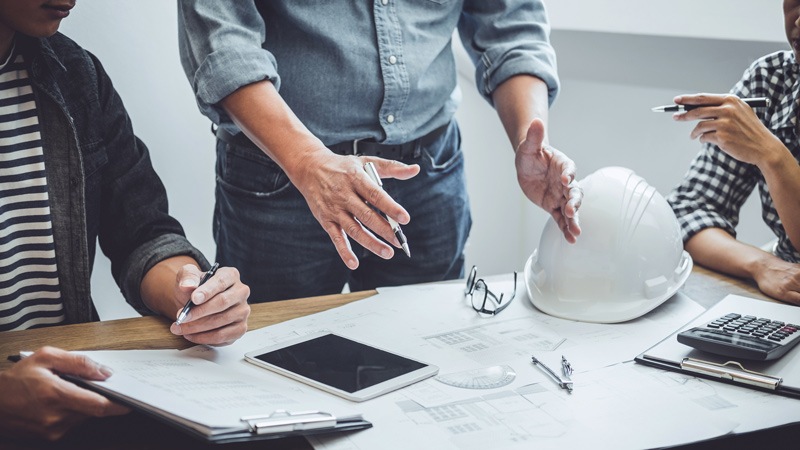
(547,177)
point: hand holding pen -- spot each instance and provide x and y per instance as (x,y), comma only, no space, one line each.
(398,232)
(731,123)
(188,306)
(216,308)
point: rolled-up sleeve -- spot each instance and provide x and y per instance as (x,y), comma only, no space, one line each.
(147,255)
(507,38)
(221,50)
(712,192)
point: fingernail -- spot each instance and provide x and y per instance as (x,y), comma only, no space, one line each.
(199,297)
(176,329)
(188,282)
(386,253)
(105,370)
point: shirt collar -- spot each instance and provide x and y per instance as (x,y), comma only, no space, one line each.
(788,106)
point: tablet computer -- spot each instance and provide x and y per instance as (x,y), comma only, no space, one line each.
(339,365)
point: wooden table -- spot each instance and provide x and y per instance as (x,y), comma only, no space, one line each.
(135,431)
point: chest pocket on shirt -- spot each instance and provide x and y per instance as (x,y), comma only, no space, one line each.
(94,158)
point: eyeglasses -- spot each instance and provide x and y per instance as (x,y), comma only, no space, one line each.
(483,300)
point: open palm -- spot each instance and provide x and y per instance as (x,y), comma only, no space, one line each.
(547,177)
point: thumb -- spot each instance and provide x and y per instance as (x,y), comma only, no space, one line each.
(188,277)
(65,362)
(534,138)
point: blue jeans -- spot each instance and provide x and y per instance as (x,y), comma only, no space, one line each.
(263,226)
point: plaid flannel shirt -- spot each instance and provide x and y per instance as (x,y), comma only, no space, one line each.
(716,185)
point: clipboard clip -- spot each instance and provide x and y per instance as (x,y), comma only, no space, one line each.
(733,371)
(283,421)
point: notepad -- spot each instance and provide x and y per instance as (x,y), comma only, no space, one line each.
(213,403)
(780,376)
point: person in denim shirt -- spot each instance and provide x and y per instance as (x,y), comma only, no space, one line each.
(305,93)
(101,184)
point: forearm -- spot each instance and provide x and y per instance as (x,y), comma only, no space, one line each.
(259,111)
(716,249)
(159,284)
(782,174)
(518,101)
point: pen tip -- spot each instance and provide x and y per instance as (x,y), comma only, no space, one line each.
(407,250)
(656,109)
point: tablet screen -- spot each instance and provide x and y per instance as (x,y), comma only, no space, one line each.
(339,362)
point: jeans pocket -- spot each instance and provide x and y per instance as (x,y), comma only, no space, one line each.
(445,152)
(248,172)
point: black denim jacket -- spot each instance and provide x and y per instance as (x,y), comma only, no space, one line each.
(100,179)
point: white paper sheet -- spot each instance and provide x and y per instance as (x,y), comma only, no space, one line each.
(614,407)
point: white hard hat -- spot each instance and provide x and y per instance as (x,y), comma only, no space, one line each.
(628,259)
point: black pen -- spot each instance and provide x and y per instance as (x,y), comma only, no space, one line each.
(758,102)
(189,304)
(18,357)
(373,174)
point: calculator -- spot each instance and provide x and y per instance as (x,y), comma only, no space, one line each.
(743,337)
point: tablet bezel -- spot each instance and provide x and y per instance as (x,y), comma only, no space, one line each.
(428,370)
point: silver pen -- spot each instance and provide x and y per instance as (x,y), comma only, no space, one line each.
(373,174)
(562,383)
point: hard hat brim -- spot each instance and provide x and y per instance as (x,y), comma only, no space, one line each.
(598,309)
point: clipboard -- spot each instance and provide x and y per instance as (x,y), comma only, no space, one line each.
(275,425)
(781,376)
(205,415)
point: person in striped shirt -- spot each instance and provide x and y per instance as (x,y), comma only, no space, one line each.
(72,173)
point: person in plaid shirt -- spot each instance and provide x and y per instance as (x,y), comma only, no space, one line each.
(744,148)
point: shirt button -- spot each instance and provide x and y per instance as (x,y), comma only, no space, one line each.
(384,2)
(392,59)
(390,118)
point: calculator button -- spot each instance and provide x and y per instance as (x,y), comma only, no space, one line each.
(743,331)
(774,338)
(715,325)
(729,328)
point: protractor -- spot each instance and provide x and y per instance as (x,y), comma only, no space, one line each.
(484,378)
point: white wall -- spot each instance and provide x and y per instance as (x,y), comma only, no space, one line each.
(602,117)
(617,58)
(138,45)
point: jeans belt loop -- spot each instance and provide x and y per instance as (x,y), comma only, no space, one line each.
(355,146)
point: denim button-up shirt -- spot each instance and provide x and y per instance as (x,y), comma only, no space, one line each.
(353,70)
